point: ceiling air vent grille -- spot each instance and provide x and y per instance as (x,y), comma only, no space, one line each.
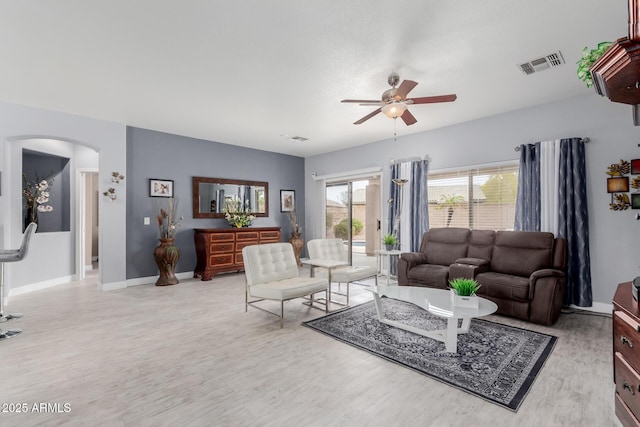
(553,60)
(299,138)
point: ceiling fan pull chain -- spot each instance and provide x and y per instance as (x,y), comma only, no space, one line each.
(395,129)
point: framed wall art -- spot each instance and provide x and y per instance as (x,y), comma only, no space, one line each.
(160,187)
(287,200)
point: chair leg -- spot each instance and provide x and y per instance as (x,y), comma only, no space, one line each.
(5,317)
(348,285)
(9,333)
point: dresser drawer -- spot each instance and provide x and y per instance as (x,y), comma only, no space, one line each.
(626,338)
(216,248)
(239,259)
(270,235)
(624,414)
(221,237)
(220,260)
(240,245)
(627,383)
(247,235)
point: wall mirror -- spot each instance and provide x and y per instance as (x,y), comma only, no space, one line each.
(211,195)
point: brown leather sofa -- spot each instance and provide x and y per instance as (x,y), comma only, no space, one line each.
(521,271)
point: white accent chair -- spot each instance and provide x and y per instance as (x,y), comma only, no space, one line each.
(334,249)
(13,255)
(271,273)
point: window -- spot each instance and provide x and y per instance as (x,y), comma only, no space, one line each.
(474,197)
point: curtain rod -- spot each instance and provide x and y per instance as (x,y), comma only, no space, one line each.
(408,159)
(585,140)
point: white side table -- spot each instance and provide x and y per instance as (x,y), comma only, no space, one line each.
(383,253)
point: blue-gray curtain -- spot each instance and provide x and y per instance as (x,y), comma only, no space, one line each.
(528,198)
(573,221)
(418,203)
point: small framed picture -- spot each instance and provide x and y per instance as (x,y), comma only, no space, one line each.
(635,166)
(160,187)
(635,200)
(287,200)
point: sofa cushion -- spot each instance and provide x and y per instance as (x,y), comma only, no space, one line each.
(521,252)
(503,286)
(445,245)
(430,275)
(481,244)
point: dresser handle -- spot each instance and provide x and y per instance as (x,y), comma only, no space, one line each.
(626,341)
(627,387)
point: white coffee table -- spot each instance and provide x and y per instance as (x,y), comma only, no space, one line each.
(437,302)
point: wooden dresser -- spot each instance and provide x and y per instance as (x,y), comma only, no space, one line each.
(220,249)
(626,355)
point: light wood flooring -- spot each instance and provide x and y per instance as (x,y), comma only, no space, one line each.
(188,355)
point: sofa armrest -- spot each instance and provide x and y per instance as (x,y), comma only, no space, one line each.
(414,258)
(545,272)
(468,268)
(406,261)
(472,261)
(546,293)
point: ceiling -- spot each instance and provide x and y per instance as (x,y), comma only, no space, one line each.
(256,73)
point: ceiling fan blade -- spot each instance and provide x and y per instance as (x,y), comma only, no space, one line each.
(408,118)
(433,99)
(368,116)
(360,101)
(403,90)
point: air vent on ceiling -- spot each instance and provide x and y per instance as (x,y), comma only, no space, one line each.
(299,138)
(539,64)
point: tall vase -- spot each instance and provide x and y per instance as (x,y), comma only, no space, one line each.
(166,255)
(31,216)
(297,243)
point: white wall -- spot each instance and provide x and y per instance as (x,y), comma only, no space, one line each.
(615,257)
(19,124)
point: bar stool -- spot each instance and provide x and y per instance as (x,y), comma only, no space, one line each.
(13,255)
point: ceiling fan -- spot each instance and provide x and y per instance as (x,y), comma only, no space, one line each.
(394,101)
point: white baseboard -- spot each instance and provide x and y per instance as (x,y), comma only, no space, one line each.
(151,280)
(112,286)
(596,307)
(40,285)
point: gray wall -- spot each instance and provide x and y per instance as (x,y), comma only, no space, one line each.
(613,235)
(152,154)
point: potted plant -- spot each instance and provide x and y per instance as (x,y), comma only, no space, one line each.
(237,215)
(463,292)
(589,57)
(389,241)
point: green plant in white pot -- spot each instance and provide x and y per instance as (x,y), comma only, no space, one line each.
(463,292)
(389,241)
(464,287)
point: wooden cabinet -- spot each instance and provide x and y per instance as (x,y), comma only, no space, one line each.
(626,355)
(220,249)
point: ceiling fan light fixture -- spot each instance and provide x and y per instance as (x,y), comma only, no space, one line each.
(394,109)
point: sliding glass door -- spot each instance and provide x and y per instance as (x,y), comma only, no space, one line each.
(353,215)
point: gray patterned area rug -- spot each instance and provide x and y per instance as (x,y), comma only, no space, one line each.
(495,362)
